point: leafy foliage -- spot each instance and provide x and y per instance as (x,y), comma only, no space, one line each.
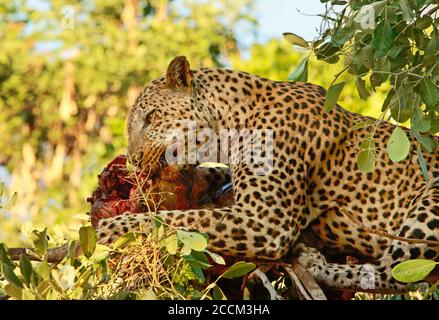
(332,95)
(75,278)
(398,145)
(109,272)
(413,270)
(393,42)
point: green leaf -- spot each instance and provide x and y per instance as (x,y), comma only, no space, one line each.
(407,12)
(434,125)
(387,100)
(171,243)
(28,295)
(4,255)
(362,61)
(301,72)
(26,269)
(383,39)
(200,257)
(366,157)
(185,250)
(124,240)
(413,270)
(40,241)
(424,22)
(218,294)
(71,251)
(56,280)
(361,88)
(147,295)
(216,257)
(342,36)
(198,272)
(423,164)
(87,239)
(246,294)
(430,94)
(398,146)
(238,270)
(160,232)
(158,221)
(333,94)
(193,240)
(328,52)
(43,270)
(14,291)
(67,279)
(427,142)
(433,44)
(377,79)
(83,278)
(101,252)
(399,106)
(10,275)
(296,40)
(393,54)
(418,122)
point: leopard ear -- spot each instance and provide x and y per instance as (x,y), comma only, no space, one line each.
(179,75)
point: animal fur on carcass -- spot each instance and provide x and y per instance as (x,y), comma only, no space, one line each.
(122,190)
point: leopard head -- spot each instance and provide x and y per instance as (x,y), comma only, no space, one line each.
(161,114)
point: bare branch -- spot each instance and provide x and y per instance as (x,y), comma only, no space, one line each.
(261,275)
(307,282)
(54,255)
(297,283)
(432,10)
(385,234)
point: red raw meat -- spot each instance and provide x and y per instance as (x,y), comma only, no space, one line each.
(118,191)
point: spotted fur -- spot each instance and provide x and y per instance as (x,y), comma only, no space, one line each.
(315,181)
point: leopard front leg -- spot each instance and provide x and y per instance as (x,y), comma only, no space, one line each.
(236,230)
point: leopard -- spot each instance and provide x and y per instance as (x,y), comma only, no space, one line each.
(313,180)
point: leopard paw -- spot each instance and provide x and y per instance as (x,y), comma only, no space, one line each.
(313,261)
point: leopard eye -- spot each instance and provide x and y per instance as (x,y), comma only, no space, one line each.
(147,118)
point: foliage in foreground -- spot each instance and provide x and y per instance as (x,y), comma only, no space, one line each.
(166,264)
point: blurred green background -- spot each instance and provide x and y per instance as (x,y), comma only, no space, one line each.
(70,70)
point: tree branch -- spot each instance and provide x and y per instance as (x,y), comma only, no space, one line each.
(261,275)
(54,255)
(306,284)
(385,234)
(432,10)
